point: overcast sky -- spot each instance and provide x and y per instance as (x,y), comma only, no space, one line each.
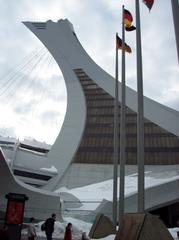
(29,106)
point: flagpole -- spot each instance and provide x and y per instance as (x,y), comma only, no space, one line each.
(116,141)
(175,10)
(140,115)
(122,127)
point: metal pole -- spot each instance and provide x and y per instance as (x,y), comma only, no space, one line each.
(140,115)
(175,10)
(122,127)
(116,142)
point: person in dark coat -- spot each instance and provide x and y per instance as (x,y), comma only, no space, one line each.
(49,226)
(4,233)
(68,234)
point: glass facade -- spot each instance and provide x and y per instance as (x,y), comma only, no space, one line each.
(161,147)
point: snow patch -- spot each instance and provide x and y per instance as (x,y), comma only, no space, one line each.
(51,169)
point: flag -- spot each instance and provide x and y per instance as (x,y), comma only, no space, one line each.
(148,3)
(128,19)
(129,29)
(119,45)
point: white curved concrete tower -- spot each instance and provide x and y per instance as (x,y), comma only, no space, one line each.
(77,66)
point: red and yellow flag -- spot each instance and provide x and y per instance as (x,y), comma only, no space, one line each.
(148,3)
(119,45)
(128,20)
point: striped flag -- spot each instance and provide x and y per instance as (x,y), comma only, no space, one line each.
(128,20)
(148,3)
(119,45)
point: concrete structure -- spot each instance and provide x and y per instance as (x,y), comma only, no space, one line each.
(84,146)
(39,204)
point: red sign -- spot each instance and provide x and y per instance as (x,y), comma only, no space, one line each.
(15,211)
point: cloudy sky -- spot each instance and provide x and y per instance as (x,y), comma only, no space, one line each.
(29,106)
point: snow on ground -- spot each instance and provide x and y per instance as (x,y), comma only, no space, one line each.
(51,169)
(92,195)
(78,227)
(97,192)
(173,232)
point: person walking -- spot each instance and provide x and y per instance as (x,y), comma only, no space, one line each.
(31,231)
(49,226)
(68,233)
